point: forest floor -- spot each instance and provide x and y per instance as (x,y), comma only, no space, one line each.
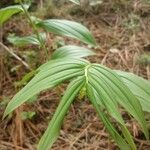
(122,32)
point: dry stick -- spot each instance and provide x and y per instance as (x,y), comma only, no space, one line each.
(1,74)
(19,126)
(1,33)
(148,71)
(1,66)
(14,55)
(79,136)
(41,4)
(8,144)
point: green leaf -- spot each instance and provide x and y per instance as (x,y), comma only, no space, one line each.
(138,86)
(26,78)
(71,51)
(7,12)
(102,115)
(27,115)
(68,28)
(123,95)
(50,75)
(106,96)
(57,62)
(75,1)
(23,41)
(33,99)
(52,132)
(95,2)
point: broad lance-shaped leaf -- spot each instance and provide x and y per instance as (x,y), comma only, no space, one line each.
(57,62)
(71,51)
(75,1)
(7,12)
(68,28)
(106,96)
(49,76)
(23,41)
(52,132)
(123,95)
(138,86)
(109,126)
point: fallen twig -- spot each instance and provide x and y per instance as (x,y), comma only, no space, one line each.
(14,55)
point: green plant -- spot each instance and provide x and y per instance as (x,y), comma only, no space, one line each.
(133,22)
(144,59)
(105,88)
(75,1)
(27,115)
(8,12)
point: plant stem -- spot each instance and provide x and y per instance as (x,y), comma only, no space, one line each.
(42,45)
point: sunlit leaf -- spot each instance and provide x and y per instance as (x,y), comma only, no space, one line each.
(123,95)
(106,96)
(71,51)
(95,2)
(50,75)
(138,86)
(7,12)
(75,1)
(68,28)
